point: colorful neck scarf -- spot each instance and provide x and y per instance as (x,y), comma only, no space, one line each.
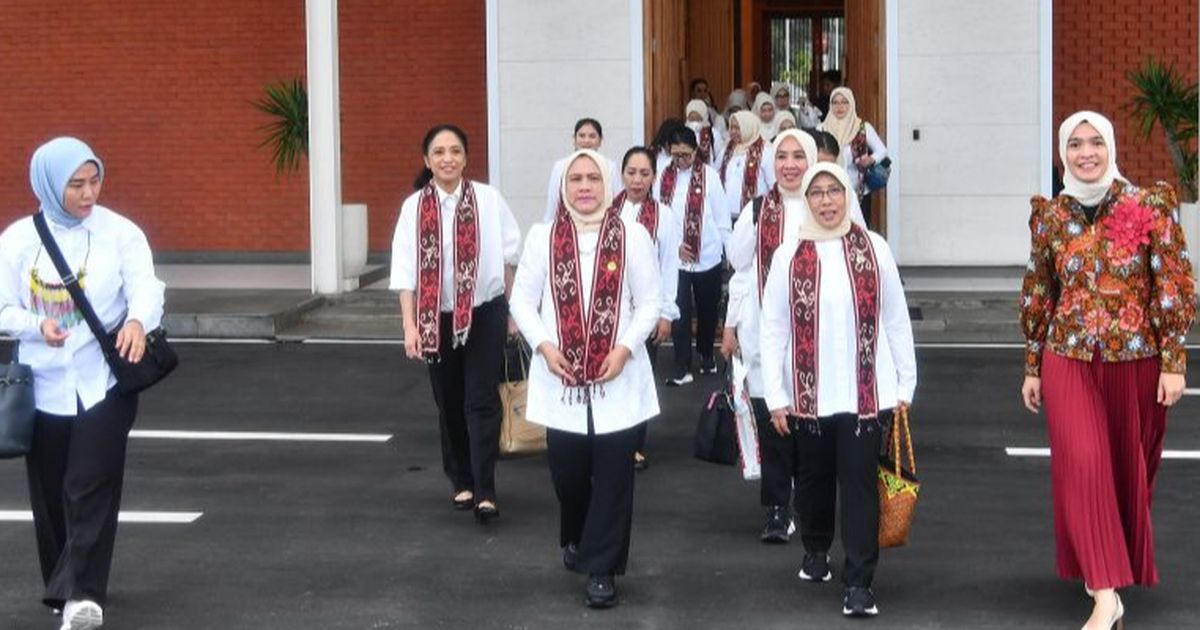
(429,272)
(693,214)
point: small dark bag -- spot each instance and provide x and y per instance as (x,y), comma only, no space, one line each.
(716,431)
(17,411)
(159,359)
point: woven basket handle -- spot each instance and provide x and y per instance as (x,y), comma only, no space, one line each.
(901,424)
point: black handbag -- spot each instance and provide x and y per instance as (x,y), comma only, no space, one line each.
(716,430)
(159,359)
(17,411)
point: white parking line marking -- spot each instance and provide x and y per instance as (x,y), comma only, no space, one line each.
(261,436)
(1191,391)
(1013,451)
(172,518)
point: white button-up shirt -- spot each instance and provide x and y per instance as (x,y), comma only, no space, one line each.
(628,399)
(837,387)
(499,243)
(119,281)
(716,225)
(666,242)
(735,178)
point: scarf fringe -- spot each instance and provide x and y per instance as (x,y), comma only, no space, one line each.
(582,394)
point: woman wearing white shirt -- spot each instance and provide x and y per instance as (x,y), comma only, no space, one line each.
(586,298)
(711,142)
(77,465)
(694,193)
(588,135)
(835,296)
(747,169)
(453,254)
(859,144)
(756,235)
(635,203)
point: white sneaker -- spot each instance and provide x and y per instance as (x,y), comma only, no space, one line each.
(82,615)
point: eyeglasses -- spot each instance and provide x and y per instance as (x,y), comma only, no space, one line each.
(683,156)
(816,195)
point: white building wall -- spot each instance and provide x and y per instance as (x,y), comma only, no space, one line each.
(968,81)
(550,64)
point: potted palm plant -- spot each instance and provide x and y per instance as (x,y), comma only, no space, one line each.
(286,136)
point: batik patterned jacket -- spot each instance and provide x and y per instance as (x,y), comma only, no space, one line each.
(1121,285)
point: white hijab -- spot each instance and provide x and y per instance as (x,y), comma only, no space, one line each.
(699,107)
(749,127)
(588,222)
(767,129)
(1088,194)
(810,228)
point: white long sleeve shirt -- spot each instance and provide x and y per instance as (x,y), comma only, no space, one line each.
(628,399)
(716,225)
(113,258)
(735,178)
(554,188)
(499,244)
(666,243)
(837,388)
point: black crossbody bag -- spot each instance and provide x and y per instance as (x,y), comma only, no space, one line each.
(159,359)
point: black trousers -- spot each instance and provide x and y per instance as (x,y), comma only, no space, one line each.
(864,202)
(777,456)
(840,453)
(704,288)
(466,382)
(652,352)
(76,473)
(593,478)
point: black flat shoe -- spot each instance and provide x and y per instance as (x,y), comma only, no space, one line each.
(486,513)
(601,591)
(570,556)
(463,504)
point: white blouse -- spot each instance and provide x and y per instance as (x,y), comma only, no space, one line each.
(554,189)
(628,399)
(499,244)
(735,178)
(837,388)
(716,226)
(113,258)
(666,244)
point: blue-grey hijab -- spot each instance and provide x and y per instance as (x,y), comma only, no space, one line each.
(51,168)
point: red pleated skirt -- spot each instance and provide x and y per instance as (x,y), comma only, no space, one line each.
(1106,438)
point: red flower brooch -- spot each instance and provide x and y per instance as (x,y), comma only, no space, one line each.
(1129,225)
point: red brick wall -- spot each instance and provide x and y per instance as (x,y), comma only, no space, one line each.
(162,92)
(1096,43)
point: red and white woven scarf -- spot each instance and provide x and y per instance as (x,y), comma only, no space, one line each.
(429,266)
(647,215)
(770,233)
(693,213)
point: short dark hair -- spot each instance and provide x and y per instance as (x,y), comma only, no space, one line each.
(662,138)
(832,75)
(695,82)
(643,151)
(579,124)
(683,135)
(825,141)
(426,175)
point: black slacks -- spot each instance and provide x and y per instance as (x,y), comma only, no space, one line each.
(841,454)
(777,457)
(593,478)
(76,473)
(652,352)
(466,382)
(704,288)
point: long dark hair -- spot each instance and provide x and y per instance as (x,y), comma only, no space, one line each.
(643,151)
(426,175)
(662,139)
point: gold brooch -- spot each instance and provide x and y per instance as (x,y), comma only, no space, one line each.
(612,265)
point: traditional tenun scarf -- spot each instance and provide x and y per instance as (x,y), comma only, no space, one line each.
(752,146)
(647,214)
(465,265)
(1088,194)
(51,168)
(804,288)
(586,341)
(693,213)
(847,127)
(771,215)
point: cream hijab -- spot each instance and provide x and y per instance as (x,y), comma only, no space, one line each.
(588,222)
(699,107)
(767,129)
(1088,194)
(810,228)
(749,127)
(807,143)
(844,129)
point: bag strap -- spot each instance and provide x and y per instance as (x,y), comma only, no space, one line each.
(901,424)
(71,282)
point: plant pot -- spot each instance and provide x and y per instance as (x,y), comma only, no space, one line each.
(354,239)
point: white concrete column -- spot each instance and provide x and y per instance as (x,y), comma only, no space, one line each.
(324,147)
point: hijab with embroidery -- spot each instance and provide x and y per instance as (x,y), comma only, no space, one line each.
(1088,194)
(845,128)
(812,229)
(588,222)
(51,168)
(768,129)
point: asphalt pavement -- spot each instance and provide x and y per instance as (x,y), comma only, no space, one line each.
(360,534)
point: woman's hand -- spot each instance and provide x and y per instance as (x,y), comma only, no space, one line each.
(865,161)
(779,419)
(729,342)
(662,331)
(686,254)
(412,342)
(131,341)
(1031,393)
(614,363)
(1170,388)
(558,364)
(55,336)
(513,331)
